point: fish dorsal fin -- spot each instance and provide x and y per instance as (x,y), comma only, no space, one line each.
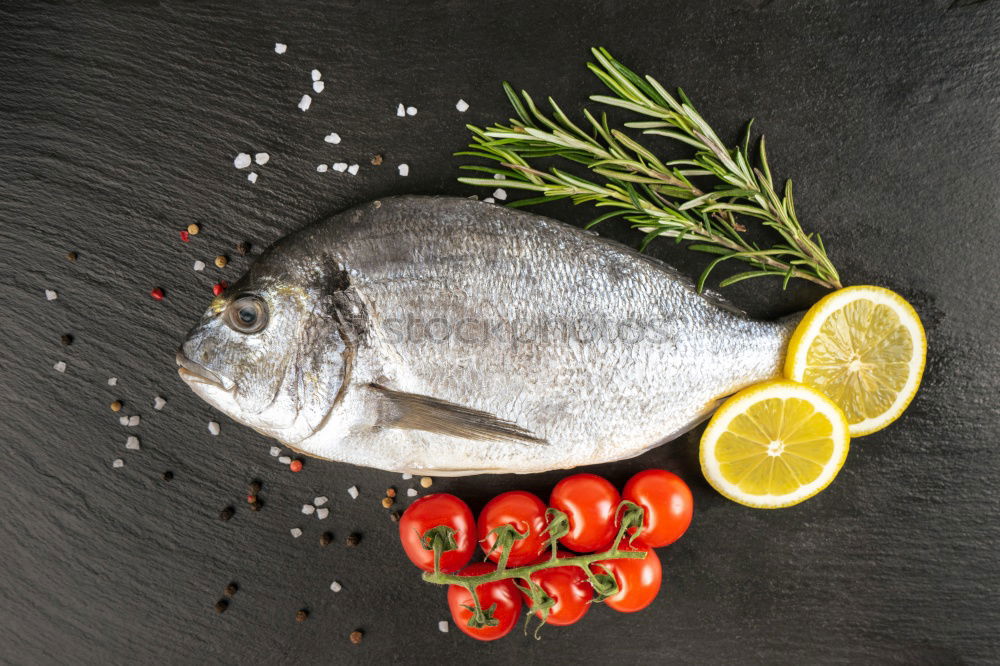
(412,411)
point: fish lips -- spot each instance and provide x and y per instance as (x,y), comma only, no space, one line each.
(196,373)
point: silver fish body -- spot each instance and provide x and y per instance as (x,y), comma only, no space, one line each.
(449,337)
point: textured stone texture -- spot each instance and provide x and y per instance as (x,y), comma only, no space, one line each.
(118,128)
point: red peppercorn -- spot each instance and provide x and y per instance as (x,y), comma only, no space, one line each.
(220,287)
(296,466)
(157,294)
(251,499)
(185,236)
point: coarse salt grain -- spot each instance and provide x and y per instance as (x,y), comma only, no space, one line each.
(134,420)
(353,169)
(462,106)
(411,492)
(261,158)
(112,381)
(404,169)
(443,626)
(318,86)
(199,265)
(117,462)
(60,366)
(322,513)
(411,110)
(407,477)
(132,443)
(489,200)
(275,451)
(242,161)
(285,460)
(280,48)
(500,194)
(316,76)
(252,176)
(50,295)
(322,168)
(336,587)
(123,420)
(401,111)
(332,137)
(296,532)
(353,492)
(498,176)
(340,166)
(158,403)
(213,427)
(305,102)
(308,509)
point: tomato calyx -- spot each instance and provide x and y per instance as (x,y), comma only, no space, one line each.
(557,528)
(481,617)
(630,515)
(505,535)
(440,539)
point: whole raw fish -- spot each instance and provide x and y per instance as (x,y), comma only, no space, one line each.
(448,336)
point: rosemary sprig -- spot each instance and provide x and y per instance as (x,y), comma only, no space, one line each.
(655,196)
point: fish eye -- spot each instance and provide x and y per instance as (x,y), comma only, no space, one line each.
(246,314)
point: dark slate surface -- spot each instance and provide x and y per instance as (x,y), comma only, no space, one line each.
(118,127)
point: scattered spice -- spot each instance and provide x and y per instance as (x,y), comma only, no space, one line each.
(185,235)
(353,539)
(377,159)
(157,294)
(295,532)
(255,487)
(336,586)
(261,158)
(426,481)
(353,169)
(134,420)
(193,229)
(132,443)
(51,295)
(305,102)
(321,500)
(252,176)
(66,339)
(199,265)
(231,589)
(390,492)
(221,261)
(256,504)
(71,256)
(168,476)
(116,406)
(275,451)
(60,366)
(219,287)
(411,492)
(394,516)
(227,513)
(332,137)
(214,428)
(221,605)
(280,48)
(407,476)
(251,499)
(158,403)
(242,161)
(325,539)
(284,460)
(308,509)
(322,513)
(301,615)
(295,466)
(404,169)
(387,502)
(243,248)
(462,106)
(356,636)
(443,626)
(353,492)
(117,462)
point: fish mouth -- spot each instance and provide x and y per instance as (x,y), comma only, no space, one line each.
(196,373)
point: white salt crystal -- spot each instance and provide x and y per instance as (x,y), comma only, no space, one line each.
(132,443)
(305,102)
(134,420)
(242,161)
(158,403)
(336,587)
(321,500)
(462,106)
(498,176)
(404,169)
(308,509)
(322,513)
(353,492)
(411,492)
(322,168)
(117,462)
(443,626)
(50,295)
(353,169)
(112,381)
(318,86)
(285,460)
(489,200)
(296,532)
(280,48)
(406,476)
(332,137)
(213,427)
(275,451)
(199,265)
(411,110)
(340,166)
(401,111)
(500,194)
(261,158)
(316,76)
(123,420)
(252,177)
(60,366)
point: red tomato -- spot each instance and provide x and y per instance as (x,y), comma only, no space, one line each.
(638,579)
(569,588)
(503,593)
(526,513)
(590,502)
(667,506)
(429,512)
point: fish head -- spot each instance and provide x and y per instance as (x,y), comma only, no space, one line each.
(268,352)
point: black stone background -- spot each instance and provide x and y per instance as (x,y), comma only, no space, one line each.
(118,126)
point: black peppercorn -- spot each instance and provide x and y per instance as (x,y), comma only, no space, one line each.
(231,589)
(221,605)
(243,248)
(353,540)
(227,513)
(326,538)
(66,339)
(301,615)
(168,475)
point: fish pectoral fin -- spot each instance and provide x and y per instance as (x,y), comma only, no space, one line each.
(412,411)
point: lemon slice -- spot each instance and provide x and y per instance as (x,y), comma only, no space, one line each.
(864,348)
(774,444)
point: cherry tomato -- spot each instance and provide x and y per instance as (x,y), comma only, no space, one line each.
(569,588)
(638,579)
(667,505)
(503,593)
(429,512)
(590,502)
(526,513)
